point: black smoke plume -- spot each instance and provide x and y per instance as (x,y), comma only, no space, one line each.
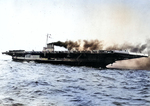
(61,44)
(73,45)
(98,45)
(70,45)
(77,45)
(92,45)
(132,48)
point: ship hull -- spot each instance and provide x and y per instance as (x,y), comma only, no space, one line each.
(65,62)
(99,58)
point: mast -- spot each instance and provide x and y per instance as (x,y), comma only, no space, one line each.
(48,36)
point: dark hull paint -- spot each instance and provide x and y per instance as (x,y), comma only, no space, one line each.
(71,63)
(78,58)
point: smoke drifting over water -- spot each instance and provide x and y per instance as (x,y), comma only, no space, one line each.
(141,63)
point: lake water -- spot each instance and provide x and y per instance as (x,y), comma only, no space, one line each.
(34,84)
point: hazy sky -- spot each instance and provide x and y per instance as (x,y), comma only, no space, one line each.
(25,23)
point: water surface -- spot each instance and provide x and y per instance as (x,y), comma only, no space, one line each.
(35,84)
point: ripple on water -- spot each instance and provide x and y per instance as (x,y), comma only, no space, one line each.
(59,85)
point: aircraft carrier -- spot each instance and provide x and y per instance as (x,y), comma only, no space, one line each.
(92,58)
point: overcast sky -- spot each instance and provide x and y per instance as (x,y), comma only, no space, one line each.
(25,23)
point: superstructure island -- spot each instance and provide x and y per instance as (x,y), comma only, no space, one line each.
(90,58)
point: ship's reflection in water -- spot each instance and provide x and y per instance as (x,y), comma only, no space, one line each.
(58,85)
